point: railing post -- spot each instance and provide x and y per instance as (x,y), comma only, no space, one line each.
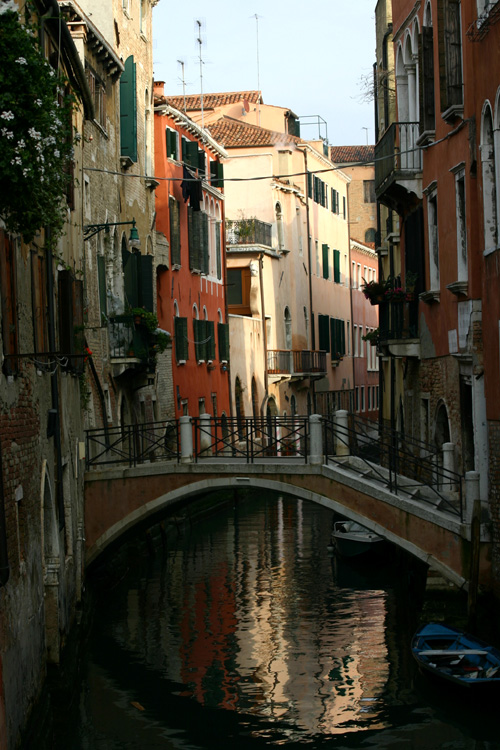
(472,493)
(342,433)
(315,440)
(186,439)
(448,467)
(205,434)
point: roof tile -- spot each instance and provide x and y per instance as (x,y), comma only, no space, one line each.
(352,154)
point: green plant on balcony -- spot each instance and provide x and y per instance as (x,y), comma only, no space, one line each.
(372,337)
(374,291)
(158,340)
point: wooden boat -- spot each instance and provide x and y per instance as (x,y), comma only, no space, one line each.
(350,539)
(457,657)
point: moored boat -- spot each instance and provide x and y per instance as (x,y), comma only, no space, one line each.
(452,655)
(351,539)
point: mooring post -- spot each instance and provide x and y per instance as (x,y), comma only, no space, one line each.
(448,482)
(315,440)
(205,434)
(186,439)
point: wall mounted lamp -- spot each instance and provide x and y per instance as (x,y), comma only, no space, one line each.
(89,230)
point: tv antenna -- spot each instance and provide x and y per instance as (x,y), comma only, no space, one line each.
(183,79)
(199,40)
(256,16)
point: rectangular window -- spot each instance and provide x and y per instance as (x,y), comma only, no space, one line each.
(70,304)
(217,174)
(98,92)
(175,233)
(450,53)
(357,398)
(355,336)
(354,283)
(198,241)
(172,138)
(200,340)
(462,271)
(210,337)
(218,250)
(128,110)
(336,266)
(223,337)
(326,270)
(181,339)
(362,398)
(238,290)
(318,269)
(39,302)
(369,191)
(369,398)
(432,227)
(324,332)
(349,337)
(344,207)
(101,274)
(309,185)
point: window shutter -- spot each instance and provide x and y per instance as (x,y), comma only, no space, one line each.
(191,153)
(220,175)
(218,252)
(324,332)
(223,336)
(175,237)
(325,261)
(453,52)
(344,207)
(202,161)
(336,266)
(101,273)
(128,110)
(309,185)
(334,337)
(205,266)
(181,339)
(195,239)
(342,337)
(213,173)
(146,300)
(130,273)
(171,144)
(210,335)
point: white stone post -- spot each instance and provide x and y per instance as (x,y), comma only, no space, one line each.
(205,434)
(315,440)
(472,494)
(186,440)
(447,481)
(341,433)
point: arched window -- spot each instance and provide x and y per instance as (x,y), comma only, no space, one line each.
(288,328)
(489,180)
(306,325)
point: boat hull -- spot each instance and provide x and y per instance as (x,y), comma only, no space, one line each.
(349,539)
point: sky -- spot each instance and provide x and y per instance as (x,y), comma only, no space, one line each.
(311,60)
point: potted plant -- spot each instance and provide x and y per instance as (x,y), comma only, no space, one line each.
(374,291)
(396,294)
(372,337)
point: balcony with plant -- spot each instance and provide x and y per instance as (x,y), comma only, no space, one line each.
(135,337)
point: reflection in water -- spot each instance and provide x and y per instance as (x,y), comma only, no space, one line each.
(247,629)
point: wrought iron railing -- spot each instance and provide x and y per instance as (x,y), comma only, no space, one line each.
(251,438)
(133,444)
(402,464)
(126,339)
(398,320)
(397,151)
(248,232)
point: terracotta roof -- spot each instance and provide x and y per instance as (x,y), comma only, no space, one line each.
(232,133)
(211,101)
(350,154)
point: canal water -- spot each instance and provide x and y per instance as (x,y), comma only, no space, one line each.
(242,631)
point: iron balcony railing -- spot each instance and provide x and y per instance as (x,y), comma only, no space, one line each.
(398,320)
(397,152)
(128,340)
(295,361)
(248,232)
(133,444)
(251,438)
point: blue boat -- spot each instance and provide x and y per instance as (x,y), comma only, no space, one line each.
(452,655)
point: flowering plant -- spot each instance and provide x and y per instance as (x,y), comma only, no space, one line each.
(373,290)
(36,134)
(397,294)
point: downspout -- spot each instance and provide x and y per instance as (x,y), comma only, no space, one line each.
(311,311)
(264,332)
(351,343)
(54,380)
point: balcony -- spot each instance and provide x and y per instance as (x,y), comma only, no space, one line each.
(399,329)
(248,232)
(130,344)
(295,364)
(398,166)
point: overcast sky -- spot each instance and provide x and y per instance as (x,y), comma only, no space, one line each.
(312,58)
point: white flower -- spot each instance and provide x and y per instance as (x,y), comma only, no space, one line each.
(25,172)
(8,134)
(7,115)
(21,61)
(57,153)
(38,102)
(34,134)
(21,144)
(8,5)
(16,160)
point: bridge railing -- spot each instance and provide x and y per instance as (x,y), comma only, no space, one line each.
(133,444)
(402,464)
(250,438)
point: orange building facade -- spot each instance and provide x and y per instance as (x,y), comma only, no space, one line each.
(191,298)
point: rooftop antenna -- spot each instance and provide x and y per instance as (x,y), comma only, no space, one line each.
(256,16)
(200,42)
(366,135)
(181,63)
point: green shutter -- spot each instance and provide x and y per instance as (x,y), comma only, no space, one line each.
(336,266)
(325,261)
(223,336)
(213,173)
(202,162)
(130,274)
(334,337)
(205,266)
(191,153)
(181,339)
(146,297)
(195,239)
(210,334)
(171,144)
(309,185)
(101,273)
(324,332)
(342,337)
(175,237)
(128,110)
(344,207)
(218,252)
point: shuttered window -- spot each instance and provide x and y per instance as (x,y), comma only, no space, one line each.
(190,153)
(138,279)
(200,339)
(101,273)
(326,269)
(337,334)
(175,232)
(426,80)
(210,335)
(217,174)
(70,305)
(336,266)
(223,338)
(128,110)
(218,250)
(309,185)
(172,144)
(324,332)
(450,53)
(181,339)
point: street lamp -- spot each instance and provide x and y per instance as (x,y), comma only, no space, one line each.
(89,230)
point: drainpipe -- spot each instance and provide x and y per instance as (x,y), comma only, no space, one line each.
(311,311)
(351,343)
(264,331)
(54,380)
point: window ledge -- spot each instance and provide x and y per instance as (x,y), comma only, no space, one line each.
(433,295)
(151,183)
(490,250)
(125,162)
(181,362)
(176,266)
(451,114)
(460,288)
(427,136)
